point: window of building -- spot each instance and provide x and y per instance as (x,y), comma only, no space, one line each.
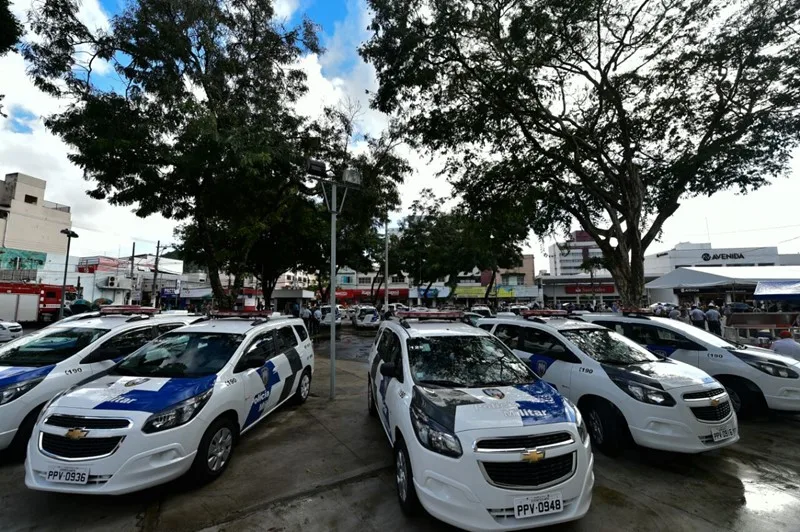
(288,277)
(364,280)
(31,199)
(347,279)
(398,278)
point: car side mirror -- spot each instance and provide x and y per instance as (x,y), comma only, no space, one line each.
(388,369)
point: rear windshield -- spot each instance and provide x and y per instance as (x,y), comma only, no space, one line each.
(49,346)
(465,361)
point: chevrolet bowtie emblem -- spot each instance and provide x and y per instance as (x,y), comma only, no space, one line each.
(76,434)
(715,402)
(532,456)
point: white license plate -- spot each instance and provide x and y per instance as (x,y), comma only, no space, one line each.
(68,475)
(723,433)
(547,503)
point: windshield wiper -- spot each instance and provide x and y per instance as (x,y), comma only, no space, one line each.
(443,383)
(614,362)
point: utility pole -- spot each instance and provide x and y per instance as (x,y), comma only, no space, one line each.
(70,235)
(155,277)
(386,266)
(133,283)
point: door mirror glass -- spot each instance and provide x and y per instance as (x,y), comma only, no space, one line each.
(388,369)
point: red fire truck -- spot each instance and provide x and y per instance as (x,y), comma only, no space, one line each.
(49,297)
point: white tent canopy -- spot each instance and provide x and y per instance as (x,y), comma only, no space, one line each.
(710,277)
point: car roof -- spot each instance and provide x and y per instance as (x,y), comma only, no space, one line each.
(239,325)
(557,324)
(118,322)
(423,329)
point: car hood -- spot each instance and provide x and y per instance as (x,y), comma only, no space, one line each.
(141,394)
(10,375)
(764,355)
(462,409)
(9,323)
(662,374)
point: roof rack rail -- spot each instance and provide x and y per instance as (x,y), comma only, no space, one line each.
(643,313)
(257,317)
(86,315)
(539,315)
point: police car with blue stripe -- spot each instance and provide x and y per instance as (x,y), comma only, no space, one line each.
(623,390)
(479,440)
(177,405)
(753,377)
(38,366)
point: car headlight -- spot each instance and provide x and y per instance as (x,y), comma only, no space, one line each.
(2,328)
(776,369)
(18,389)
(176,415)
(644,393)
(579,423)
(433,436)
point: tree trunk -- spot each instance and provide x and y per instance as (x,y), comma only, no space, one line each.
(426,292)
(268,283)
(629,277)
(211,263)
(491,285)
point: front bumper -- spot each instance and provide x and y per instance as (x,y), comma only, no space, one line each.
(786,399)
(678,428)
(138,462)
(456,491)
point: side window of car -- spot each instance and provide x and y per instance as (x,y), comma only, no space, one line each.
(301,332)
(285,339)
(545,344)
(395,353)
(383,345)
(509,335)
(486,326)
(262,348)
(121,345)
(166,327)
(613,325)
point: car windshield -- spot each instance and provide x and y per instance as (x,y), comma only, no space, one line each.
(180,354)
(49,346)
(701,335)
(365,311)
(608,347)
(465,361)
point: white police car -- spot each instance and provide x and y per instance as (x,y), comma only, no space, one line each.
(9,330)
(753,377)
(367,317)
(326,315)
(38,366)
(478,438)
(178,404)
(622,389)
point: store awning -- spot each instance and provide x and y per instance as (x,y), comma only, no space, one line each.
(778,290)
(710,277)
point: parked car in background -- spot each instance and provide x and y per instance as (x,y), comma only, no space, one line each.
(9,330)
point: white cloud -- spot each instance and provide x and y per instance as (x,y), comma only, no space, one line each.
(284,9)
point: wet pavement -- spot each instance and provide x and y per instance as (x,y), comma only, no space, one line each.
(327,466)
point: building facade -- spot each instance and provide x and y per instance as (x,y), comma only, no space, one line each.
(688,254)
(566,257)
(27,221)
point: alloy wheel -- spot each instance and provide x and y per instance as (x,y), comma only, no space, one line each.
(219,450)
(305,386)
(402,475)
(596,426)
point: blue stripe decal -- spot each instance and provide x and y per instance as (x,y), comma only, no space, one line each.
(13,375)
(270,378)
(545,406)
(173,392)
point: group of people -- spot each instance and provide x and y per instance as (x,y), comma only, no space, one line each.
(710,317)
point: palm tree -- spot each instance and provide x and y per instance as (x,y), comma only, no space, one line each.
(590,266)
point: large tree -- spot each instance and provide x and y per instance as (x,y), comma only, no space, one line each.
(604,112)
(10,34)
(197,118)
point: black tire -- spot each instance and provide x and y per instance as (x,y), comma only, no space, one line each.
(221,434)
(303,388)
(371,408)
(19,445)
(745,400)
(607,427)
(404,480)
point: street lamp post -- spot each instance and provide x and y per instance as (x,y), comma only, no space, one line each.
(70,235)
(351,178)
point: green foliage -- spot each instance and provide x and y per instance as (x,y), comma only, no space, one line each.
(10,34)
(608,112)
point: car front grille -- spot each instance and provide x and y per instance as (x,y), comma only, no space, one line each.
(712,413)
(523,442)
(85,448)
(523,475)
(15,328)
(704,394)
(70,422)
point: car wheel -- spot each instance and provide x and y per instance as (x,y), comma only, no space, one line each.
(371,408)
(215,450)
(607,427)
(745,401)
(303,388)
(404,480)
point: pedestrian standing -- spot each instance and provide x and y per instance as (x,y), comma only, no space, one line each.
(305,314)
(674,314)
(698,317)
(713,318)
(786,345)
(317,319)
